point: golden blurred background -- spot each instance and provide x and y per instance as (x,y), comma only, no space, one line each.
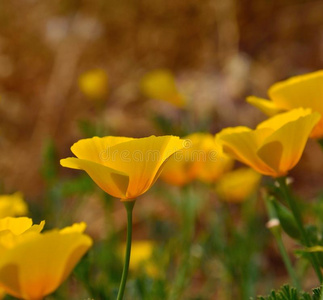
(219,52)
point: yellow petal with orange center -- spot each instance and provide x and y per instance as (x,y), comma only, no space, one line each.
(36,266)
(242,144)
(123,167)
(142,159)
(283,149)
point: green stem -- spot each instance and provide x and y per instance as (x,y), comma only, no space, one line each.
(188,214)
(286,260)
(129,207)
(276,231)
(297,216)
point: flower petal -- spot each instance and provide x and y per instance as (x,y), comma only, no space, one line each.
(289,140)
(299,91)
(268,107)
(242,143)
(280,120)
(111,181)
(15,225)
(37,266)
(96,149)
(141,159)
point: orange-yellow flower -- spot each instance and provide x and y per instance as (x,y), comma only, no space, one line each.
(300,91)
(214,163)
(12,205)
(123,167)
(276,145)
(160,85)
(33,265)
(94,84)
(202,158)
(237,185)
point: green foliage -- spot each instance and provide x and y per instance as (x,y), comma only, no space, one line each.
(50,164)
(286,219)
(289,293)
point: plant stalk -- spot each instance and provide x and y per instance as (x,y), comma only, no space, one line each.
(297,216)
(129,208)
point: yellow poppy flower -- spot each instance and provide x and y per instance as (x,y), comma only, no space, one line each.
(300,91)
(36,264)
(238,185)
(12,205)
(123,167)
(94,84)
(214,163)
(276,145)
(19,225)
(202,158)
(160,84)
(182,167)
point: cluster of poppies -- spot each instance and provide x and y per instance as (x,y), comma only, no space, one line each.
(126,167)
(33,264)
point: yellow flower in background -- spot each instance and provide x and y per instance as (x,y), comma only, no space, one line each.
(181,168)
(35,264)
(12,205)
(160,84)
(238,185)
(300,91)
(19,225)
(123,167)
(202,158)
(94,84)
(275,146)
(141,257)
(213,163)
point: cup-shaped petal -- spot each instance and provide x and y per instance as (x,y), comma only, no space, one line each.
(123,167)
(242,144)
(111,181)
(283,149)
(300,91)
(39,263)
(276,145)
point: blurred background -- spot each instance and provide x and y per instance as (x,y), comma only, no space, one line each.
(217,51)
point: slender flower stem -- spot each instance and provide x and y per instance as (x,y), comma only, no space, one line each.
(276,231)
(129,207)
(286,259)
(297,216)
